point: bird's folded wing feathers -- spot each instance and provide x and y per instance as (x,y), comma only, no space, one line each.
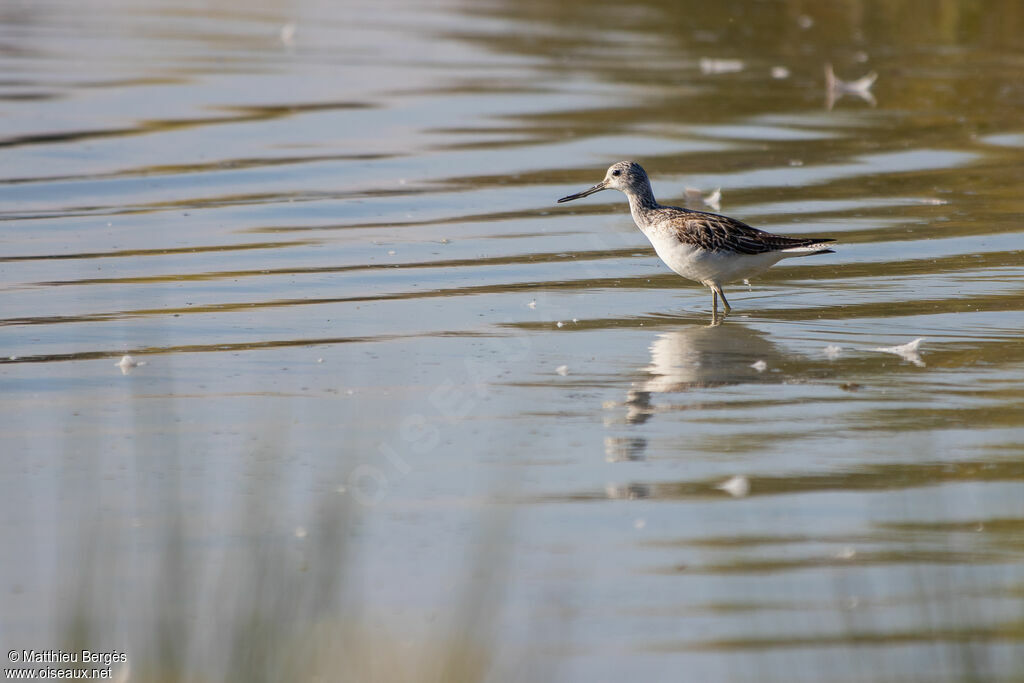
(720,233)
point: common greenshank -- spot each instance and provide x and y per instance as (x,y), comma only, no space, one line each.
(705,247)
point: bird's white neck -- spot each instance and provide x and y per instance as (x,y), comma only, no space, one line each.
(641,202)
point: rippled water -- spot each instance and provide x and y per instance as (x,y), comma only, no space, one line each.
(328,231)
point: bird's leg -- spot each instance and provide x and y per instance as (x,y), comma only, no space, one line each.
(714,302)
(719,293)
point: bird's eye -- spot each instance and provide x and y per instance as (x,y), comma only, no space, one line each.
(616,172)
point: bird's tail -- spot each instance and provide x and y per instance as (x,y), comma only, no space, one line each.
(810,247)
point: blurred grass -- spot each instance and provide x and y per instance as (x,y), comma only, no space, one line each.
(256,601)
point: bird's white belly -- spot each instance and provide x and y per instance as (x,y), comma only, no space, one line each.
(704,266)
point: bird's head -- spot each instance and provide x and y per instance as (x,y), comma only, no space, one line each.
(626,176)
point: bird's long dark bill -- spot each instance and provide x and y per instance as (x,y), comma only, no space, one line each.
(580,195)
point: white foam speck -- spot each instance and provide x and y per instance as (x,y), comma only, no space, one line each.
(780,72)
(559,324)
(737,486)
(835,87)
(714,200)
(562,370)
(710,65)
(847,553)
(288,33)
(760,366)
(908,351)
(127,364)
(832,351)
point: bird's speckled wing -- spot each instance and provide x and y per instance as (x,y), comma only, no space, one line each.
(720,233)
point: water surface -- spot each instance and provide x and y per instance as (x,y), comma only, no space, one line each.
(328,231)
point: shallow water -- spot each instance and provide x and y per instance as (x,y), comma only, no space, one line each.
(329,232)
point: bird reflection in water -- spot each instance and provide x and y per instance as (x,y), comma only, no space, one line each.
(686,359)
